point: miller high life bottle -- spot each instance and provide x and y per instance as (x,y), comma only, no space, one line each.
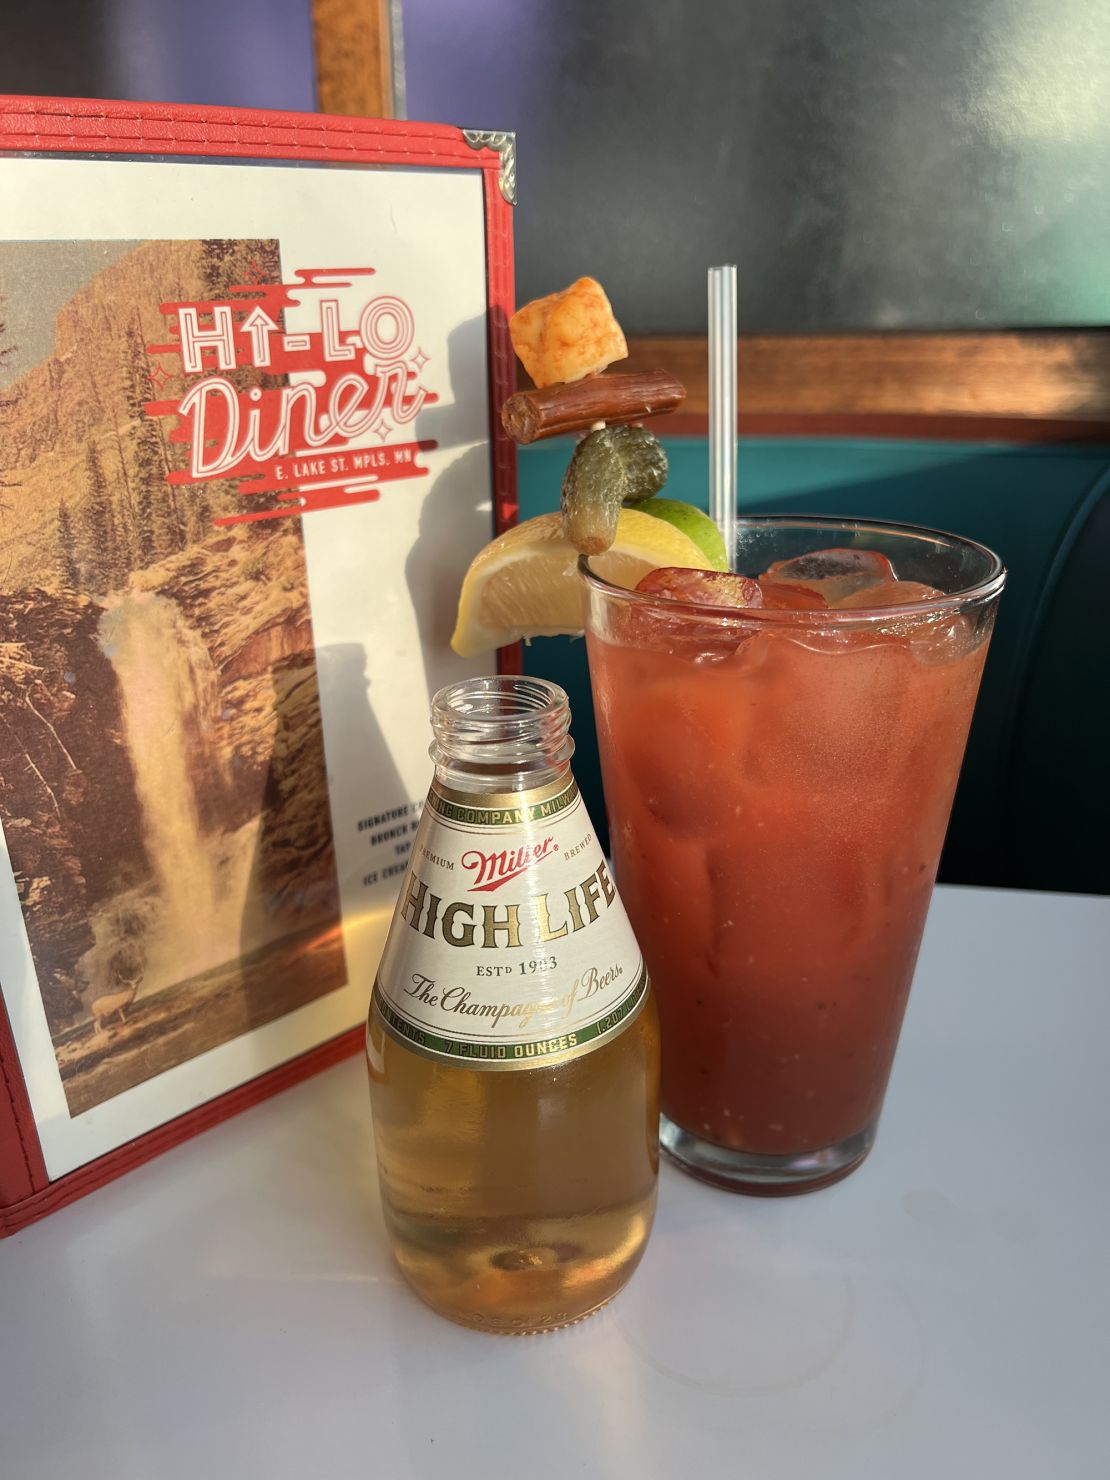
(513,1042)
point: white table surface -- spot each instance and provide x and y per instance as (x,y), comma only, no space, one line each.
(231,1310)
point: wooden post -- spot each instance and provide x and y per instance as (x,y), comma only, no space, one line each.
(354,57)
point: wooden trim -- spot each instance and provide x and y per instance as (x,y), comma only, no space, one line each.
(1013,429)
(354,57)
(1028,386)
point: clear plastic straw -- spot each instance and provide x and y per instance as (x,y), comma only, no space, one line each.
(722,404)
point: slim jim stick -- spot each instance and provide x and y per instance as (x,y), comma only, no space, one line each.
(530,416)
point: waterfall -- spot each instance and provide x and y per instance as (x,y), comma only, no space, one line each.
(170,712)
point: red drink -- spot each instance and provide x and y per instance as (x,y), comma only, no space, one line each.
(778,784)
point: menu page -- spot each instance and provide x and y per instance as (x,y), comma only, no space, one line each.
(244,422)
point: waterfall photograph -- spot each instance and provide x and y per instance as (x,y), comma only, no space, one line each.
(163,792)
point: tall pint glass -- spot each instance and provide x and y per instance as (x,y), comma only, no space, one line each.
(779,782)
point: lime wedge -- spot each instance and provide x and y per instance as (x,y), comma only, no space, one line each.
(692,523)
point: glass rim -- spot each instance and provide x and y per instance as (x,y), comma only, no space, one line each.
(978,594)
(487,726)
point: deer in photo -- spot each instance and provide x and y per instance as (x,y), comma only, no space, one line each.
(124,973)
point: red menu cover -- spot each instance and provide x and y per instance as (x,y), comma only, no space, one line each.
(250,369)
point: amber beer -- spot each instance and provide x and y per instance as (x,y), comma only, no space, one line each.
(513,1041)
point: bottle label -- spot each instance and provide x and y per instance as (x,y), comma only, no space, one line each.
(510,947)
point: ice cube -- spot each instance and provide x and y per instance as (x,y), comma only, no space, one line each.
(833,573)
(700,638)
(790,596)
(946,638)
(702,587)
(938,636)
(821,565)
(887,593)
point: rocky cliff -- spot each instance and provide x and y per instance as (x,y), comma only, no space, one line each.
(88,522)
(81,389)
(80,409)
(67,795)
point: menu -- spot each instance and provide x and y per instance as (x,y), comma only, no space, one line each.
(246,459)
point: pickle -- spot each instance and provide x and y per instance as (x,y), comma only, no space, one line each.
(611,467)
(644,460)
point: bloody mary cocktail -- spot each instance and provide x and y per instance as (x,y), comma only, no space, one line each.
(778,779)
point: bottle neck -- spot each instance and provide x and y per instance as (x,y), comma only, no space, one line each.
(500,734)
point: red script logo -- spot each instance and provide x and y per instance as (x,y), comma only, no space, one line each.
(318,432)
(491,870)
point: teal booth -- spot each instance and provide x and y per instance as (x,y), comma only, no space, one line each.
(1033,806)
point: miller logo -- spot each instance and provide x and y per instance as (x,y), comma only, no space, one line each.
(491,870)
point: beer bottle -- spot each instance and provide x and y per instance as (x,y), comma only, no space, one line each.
(513,1042)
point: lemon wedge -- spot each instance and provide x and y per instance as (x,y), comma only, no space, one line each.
(525,583)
